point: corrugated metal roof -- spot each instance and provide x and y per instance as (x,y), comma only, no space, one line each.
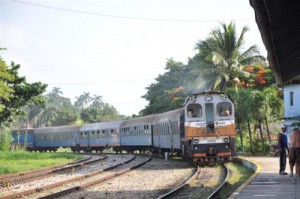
(102,125)
(139,120)
(61,129)
(169,116)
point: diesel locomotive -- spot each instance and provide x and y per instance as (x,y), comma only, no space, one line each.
(203,131)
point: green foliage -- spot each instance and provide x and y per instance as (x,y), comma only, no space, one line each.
(18,161)
(16,92)
(65,117)
(252,105)
(219,62)
(5,140)
(248,103)
(168,91)
(105,113)
(57,110)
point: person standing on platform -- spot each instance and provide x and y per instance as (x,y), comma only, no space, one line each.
(294,154)
(283,148)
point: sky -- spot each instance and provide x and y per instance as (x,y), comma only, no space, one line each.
(112,48)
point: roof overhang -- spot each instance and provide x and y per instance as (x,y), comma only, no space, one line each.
(278,22)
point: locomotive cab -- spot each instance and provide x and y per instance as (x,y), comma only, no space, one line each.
(209,128)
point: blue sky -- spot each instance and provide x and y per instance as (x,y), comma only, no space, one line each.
(112,48)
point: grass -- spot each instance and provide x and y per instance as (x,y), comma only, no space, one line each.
(20,161)
(238,175)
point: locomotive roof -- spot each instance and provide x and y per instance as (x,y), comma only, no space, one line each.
(170,115)
(102,125)
(61,129)
(206,93)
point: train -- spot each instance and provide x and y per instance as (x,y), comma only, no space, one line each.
(202,131)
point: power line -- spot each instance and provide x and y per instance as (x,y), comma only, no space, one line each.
(104,82)
(123,17)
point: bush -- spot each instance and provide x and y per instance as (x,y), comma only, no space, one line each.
(5,140)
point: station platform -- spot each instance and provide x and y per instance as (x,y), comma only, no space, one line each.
(267,183)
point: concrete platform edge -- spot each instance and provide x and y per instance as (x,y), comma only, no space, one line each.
(252,165)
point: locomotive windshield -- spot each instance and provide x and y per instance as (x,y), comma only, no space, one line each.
(194,110)
(224,109)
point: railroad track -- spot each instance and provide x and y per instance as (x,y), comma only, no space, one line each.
(148,181)
(188,190)
(50,185)
(215,192)
(12,180)
(12,175)
(97,179)
(181,187)
(91,183)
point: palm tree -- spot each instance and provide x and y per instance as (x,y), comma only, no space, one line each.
(44,112)
(79,102)
(86,99)
(220,60)
(55,95)
(46,115)
(97,101)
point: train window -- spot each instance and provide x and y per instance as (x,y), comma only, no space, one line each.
(93,132)
(194,110)
(103,131)
(111,130)
(291,98)
(224,109)
(98,132)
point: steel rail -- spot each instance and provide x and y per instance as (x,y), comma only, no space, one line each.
(94,182)
(39,175)
(12,175)
(50,186)
(215,192)
(177,189)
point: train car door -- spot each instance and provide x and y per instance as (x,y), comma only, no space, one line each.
(209,117)
(171,131)
(113,138)
(108,133)
(84,139)
(76,138)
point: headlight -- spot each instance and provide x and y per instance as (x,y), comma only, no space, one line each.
(226,139)
(196,141)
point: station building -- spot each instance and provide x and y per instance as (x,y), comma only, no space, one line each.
(291,118)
